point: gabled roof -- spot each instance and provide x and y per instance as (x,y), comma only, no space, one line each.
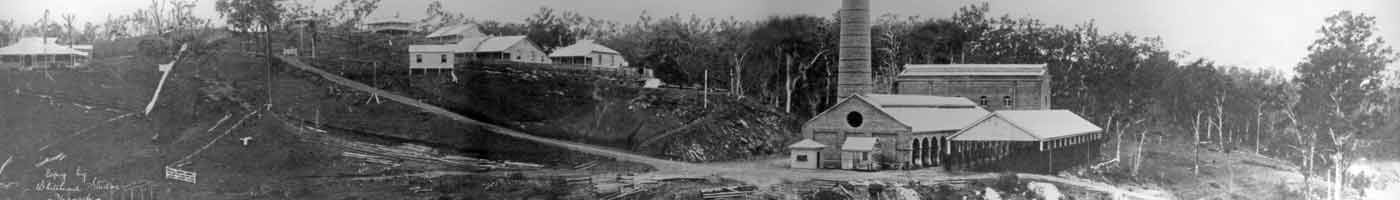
(464,30)
(582,48)
(807,144)
(1026,125)
(38,46)
(488,44)
(859,144)
(922,113)
(974,70)
(888,100)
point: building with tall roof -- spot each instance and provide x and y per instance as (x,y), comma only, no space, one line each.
(37,52)
(994,86)
(907,129)
(590,53)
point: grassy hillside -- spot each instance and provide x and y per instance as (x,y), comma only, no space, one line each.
(88,121)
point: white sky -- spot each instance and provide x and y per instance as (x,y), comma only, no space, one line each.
(1251,33)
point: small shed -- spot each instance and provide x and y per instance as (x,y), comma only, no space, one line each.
(37,52)
(590,53)
(455,33)
(859,153)
(805,154)
(1026,140)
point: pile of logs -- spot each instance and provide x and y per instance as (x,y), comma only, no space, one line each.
(727,192)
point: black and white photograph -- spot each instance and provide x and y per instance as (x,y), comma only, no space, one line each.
(700,99)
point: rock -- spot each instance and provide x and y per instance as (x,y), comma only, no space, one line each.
(1044,191)
(990,194)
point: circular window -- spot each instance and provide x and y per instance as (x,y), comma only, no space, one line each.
(854,119)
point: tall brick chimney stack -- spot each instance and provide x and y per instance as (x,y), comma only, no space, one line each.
(853,67)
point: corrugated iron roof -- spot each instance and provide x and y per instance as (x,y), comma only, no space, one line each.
(936,119)
(859,144)
(582,48)
(38,46)
(807,144)
(1032,125)
(464,30)
(889,100)
(488,44)
(973,70)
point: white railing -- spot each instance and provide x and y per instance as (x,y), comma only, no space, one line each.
(180,175)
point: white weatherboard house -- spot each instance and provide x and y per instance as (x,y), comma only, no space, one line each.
(430,57)
(587,52)
(443,56)
(36,52)
(391,25)
(509,48)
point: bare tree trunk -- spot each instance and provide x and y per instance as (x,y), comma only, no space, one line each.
(1195,146)
(1141,144)
(787,83)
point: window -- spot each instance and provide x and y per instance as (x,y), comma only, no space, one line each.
(420,58)
(801,158)
(982,101)
(444,58)
(1006,101)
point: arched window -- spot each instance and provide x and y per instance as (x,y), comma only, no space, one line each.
(420,58)
(1006,101)
(982,101)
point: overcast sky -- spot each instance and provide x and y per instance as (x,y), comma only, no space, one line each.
(1250,33)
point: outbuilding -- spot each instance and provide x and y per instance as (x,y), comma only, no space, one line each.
(1041,141)
(805,154)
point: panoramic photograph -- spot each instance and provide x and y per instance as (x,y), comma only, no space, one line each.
(700,99)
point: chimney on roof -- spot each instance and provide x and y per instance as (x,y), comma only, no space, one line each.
(853,67)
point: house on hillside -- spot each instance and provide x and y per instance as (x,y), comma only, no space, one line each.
(455,33)
(444,56)
(431,57)
(391,25)
(37,52)
(506,48)
(878,131)
(1042,141)
(993,86)
(587,52)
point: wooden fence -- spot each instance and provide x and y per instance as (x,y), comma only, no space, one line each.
(180,175)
